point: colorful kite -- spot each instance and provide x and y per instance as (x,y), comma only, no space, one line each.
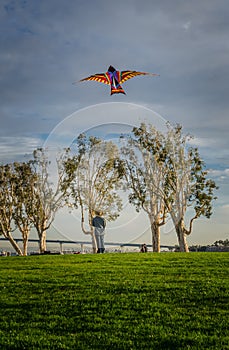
(115,78)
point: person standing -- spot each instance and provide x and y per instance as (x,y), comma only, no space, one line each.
(99,224)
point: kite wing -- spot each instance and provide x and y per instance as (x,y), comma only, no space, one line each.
(128,74)
(100,77)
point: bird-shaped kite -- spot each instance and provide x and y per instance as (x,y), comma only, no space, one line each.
(115,78)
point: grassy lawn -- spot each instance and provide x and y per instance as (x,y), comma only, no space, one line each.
(115,301)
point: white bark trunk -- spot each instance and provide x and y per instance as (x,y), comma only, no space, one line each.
(42,241)
(181,236)
(13,243)
(155,230)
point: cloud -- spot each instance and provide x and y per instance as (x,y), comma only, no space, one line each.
(225,208)
(16,148)
(219,173)
(43,64)
(187,25)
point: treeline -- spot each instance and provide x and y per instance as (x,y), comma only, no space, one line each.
(163,175)
(217,246)
(221,243)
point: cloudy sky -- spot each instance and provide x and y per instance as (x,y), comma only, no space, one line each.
(46,45)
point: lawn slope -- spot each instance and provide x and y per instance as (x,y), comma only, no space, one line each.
(115,301)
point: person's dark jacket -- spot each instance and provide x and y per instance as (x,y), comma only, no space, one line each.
(99,222)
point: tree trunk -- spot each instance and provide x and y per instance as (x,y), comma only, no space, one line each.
(91,232)
(155,229)
(42,241)
(25,246)
(13,243)
(94,243)
(25,235)
(181,236)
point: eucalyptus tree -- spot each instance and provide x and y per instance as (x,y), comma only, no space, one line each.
(24,196)
(50,190)
(7,194)
(167,176)
(189,192)
(97,180)
(145,176)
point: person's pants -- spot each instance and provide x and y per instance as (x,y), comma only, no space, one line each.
(100,243)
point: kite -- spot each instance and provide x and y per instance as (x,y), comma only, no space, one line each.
(115,78)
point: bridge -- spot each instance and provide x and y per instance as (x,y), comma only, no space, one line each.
(83,243)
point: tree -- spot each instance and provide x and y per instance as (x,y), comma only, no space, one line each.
(186,184)
(221,242)
(23,198)
(7,194)
(167,176)
(96,181)
(48,197)
(145,176)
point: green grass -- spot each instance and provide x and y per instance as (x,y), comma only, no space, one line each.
(115,301)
